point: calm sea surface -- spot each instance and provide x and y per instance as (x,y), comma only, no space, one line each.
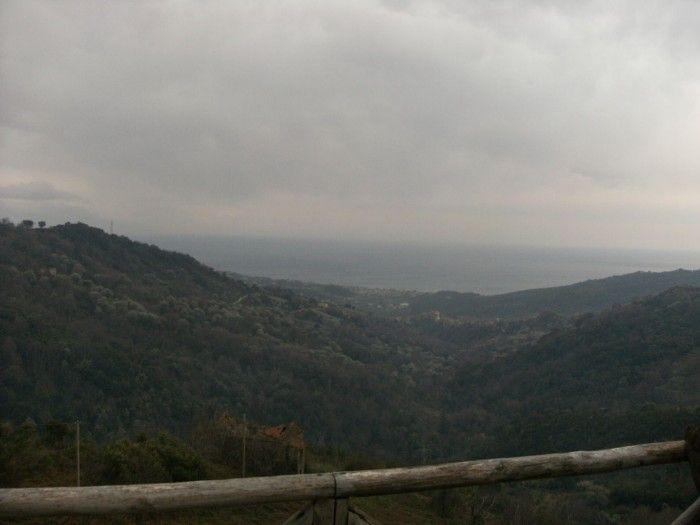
(486,270)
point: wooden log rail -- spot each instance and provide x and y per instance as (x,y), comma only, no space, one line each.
(22,502)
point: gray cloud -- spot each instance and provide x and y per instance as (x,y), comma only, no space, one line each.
(35,191)
(463,121)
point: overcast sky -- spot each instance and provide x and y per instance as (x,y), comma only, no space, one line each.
(543,123)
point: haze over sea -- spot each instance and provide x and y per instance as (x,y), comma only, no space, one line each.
(481,269)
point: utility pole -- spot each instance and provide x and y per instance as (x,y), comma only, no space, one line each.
(302,459)
(77,452)
(245,432)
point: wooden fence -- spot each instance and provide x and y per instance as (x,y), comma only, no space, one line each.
(330,491)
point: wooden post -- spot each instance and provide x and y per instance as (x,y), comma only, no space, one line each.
(330,512)
(691,516)
(692,449)
(77,452)
(340,511)
(245,432)
(301,459)
(319,512)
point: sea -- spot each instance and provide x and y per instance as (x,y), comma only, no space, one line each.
(420,267)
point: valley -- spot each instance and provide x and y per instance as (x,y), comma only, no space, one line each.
(133,340)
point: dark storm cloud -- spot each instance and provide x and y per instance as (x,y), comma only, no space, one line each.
(463,121)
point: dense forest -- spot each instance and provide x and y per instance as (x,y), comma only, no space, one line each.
(634,371)
(127,337)
(133,340)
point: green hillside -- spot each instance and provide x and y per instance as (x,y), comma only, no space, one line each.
(127,337)
(588,296)
(132,339)
(629,374)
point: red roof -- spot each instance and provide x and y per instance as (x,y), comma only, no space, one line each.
(289,431)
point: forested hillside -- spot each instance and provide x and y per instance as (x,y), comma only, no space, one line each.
(584,297)
(126,337)
(632,373)
(129,338)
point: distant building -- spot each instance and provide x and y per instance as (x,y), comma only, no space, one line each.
(291,435)
(289,432)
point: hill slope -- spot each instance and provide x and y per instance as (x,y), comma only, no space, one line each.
(632,373)
(125,336)
(587,296)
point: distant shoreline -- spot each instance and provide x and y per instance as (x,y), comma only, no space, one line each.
(483,270)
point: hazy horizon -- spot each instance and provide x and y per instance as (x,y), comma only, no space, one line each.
(413,265)
(422,267)
(529,123)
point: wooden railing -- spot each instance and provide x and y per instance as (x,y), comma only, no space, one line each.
(332,490)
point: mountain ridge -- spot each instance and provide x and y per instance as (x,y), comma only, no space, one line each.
(582,297)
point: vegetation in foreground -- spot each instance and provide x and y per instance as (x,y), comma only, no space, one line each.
(45,456)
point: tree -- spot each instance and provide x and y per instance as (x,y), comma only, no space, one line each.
(42,224)
(55,433)
(28,223)
(6,224)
